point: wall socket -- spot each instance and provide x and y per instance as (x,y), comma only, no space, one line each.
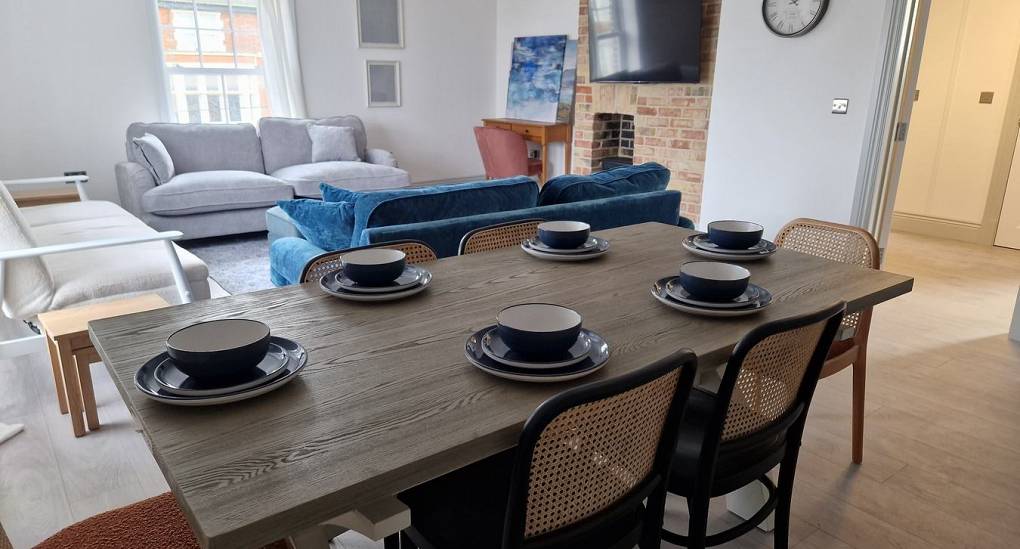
(840,106)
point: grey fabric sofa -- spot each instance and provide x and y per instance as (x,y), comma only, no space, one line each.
(227,175)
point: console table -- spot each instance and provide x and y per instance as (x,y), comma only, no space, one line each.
(542,133)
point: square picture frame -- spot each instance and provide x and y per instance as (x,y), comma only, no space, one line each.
(380,23)
(382,83)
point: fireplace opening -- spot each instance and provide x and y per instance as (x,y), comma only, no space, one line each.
(613,140)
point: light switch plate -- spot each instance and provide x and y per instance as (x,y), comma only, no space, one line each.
(840,106)
(986,98)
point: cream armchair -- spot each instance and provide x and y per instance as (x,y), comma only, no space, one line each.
(61,255)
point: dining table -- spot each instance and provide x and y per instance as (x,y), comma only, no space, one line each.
(388,399)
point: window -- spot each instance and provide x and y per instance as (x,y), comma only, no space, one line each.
(212,53)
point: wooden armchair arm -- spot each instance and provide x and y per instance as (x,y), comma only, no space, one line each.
(78,181)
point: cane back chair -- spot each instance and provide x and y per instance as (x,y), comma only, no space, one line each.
(855,246)
(323,264)
(494,237)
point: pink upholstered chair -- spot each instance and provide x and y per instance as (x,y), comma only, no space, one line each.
(505,154)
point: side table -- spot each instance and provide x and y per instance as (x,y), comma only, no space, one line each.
(71,352)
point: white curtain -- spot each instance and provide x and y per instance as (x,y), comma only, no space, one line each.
(283,69)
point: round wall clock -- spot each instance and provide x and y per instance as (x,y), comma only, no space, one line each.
(789,18)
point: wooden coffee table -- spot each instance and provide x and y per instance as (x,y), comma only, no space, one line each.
(71,352)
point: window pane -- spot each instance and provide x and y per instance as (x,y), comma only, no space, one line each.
(194,111)
(180,17)
(215,108)
(234,107)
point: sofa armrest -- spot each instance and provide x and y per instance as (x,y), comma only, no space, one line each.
(288,257)
(381,157)
(685,223)
(133,181)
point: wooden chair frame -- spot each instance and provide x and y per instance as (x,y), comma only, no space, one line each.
(852,351)
(506,235)
(416,250)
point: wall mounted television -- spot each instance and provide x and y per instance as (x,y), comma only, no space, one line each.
(644,40)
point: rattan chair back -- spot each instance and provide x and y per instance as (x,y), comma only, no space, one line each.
(499,236)
(323,264)
(597,448)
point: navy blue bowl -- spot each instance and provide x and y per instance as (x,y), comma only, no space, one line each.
(713,281)
(218,348)
(564,235)
(374,266)
(539,329)
(735,235)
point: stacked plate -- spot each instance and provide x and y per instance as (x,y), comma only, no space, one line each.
(712,289)
(731,241)
(413,280)
(500,350)
(219,362)
(565,241)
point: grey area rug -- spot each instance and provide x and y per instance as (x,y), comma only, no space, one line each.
(239,263)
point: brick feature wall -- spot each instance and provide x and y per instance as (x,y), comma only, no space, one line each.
(612,136)
(670,120)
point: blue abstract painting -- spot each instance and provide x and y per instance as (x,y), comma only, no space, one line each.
(536,71)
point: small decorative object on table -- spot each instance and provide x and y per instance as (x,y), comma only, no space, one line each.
(565,241)
(537,342)
(732,241)
(218,362)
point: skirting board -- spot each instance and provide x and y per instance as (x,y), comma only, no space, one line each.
(939,228)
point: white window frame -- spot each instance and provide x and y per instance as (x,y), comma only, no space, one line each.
(220,72)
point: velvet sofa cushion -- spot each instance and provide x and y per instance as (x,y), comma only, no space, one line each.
(419,204)
(642,178)
(327,225)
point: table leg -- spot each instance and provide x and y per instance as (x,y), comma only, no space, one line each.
(70,374)
(88,394)
(545,162)
(568,153)
(58,377)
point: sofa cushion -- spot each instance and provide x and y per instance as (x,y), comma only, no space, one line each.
(93,275)
(156,158)
(327,225)
(285,141)
(624,180)
(28,287)
(305,178)
(214,191)
(331,143)
(203,147)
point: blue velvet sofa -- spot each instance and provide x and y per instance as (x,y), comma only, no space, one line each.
(440,215)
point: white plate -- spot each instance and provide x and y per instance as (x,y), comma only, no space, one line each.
(690,247)
(659,292)
(150,388)
(602,249)
(494,347)
(329,284)
(597,357)
(587,247)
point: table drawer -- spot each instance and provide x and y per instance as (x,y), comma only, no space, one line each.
(499,125)
(530,131)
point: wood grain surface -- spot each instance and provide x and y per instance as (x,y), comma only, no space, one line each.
(388,400)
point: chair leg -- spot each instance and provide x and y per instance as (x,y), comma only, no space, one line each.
(697,525)
(58,376)
(784,495)
(391,541)
(857,435)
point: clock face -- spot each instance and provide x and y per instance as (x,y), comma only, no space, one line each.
(790,18)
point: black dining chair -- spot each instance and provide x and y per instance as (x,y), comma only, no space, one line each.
(753,423)
(590,470)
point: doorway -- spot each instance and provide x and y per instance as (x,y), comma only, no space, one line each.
(1008,233)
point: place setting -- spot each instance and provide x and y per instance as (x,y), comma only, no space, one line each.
(539,343)
(218,362)
(731,240)
(375,274)
(565,241)
(711,288)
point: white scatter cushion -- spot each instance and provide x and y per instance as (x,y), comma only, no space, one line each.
(155,156)
(333,144)
(28,287)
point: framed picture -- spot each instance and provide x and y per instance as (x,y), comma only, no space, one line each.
(383,78)
(380,23)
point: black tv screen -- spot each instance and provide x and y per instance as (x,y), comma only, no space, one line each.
(644,40)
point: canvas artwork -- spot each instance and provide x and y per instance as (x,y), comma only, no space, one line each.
(536,72)
(565,111)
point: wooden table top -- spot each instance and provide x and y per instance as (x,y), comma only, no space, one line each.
(388,400)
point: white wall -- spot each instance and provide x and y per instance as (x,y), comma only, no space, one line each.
(74,75)
(775,151)
(970,47)
(529,18)
(447,84)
